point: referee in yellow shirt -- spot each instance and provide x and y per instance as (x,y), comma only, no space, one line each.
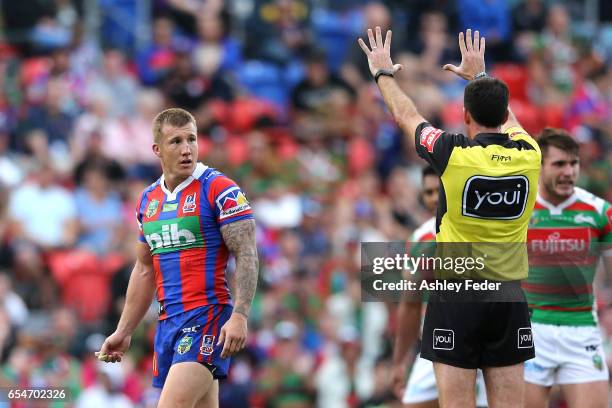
(489,185)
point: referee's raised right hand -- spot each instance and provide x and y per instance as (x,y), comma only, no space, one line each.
(472,56)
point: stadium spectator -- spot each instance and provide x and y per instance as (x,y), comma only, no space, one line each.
(105,392)
(278,31)
(158,58)
(313,93)
(52,116)
(345,378)
(43,213)
(97,207)
(557,46)
(13,305)
(493,20)
(115,80)
(215,49)
(184,86)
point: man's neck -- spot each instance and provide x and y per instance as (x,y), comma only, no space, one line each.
(553,198)
(173,182)
(475,130)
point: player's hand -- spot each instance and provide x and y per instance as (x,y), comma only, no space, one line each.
(379,57)
(113,348)
(472,56)
(398,379)
(233,335)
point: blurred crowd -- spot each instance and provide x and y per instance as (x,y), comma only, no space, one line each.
(285,106)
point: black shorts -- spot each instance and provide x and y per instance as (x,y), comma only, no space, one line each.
(477,334)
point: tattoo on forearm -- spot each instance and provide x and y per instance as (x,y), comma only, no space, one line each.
(239,237)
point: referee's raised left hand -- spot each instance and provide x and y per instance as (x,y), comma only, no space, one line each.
(379,53)
(472,56)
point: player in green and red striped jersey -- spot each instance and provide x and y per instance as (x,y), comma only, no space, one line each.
(566,230)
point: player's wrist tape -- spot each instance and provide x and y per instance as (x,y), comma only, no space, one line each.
(381,72)
(479,75)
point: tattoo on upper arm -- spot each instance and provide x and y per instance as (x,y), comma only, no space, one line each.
(239,237)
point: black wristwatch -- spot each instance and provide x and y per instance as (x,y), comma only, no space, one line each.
(385,72)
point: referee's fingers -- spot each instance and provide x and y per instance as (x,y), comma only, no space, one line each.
(371,39)
(363,46)
(482,46)
(477,41)
(450,67)
(468,40)
(387,44)
(462,44)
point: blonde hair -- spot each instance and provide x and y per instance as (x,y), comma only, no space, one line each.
(176,117)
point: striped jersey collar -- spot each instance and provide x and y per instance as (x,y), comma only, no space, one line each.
(557,209)
(197,173)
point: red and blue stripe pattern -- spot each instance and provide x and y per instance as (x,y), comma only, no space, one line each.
(190,258)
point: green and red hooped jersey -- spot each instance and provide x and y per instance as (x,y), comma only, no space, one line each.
(183,231)
(422,243)
(564,244)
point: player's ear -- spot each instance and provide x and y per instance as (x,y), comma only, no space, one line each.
(467,118)
(506,116)
(155,149)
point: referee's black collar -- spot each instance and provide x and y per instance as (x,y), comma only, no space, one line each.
(486,139)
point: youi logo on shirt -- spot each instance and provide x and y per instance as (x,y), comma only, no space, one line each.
(501,198)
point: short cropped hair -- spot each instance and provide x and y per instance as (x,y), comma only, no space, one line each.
(558,138)
(486,99)
(428,171)
(176,117)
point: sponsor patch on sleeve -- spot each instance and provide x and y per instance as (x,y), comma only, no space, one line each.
(516,131)
(232,202)
(428,138)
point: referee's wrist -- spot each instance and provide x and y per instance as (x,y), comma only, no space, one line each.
(479,75)
(383,72)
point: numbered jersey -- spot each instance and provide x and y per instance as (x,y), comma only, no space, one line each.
(564,244)
(182,230)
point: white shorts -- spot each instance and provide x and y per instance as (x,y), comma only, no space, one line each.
(421,385)
(566,355)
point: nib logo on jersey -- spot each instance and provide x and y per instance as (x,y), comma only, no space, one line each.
(173,235)
(232,202)
(501,198)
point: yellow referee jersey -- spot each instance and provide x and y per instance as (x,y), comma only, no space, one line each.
(487,193)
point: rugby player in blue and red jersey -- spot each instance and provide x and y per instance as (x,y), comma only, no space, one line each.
(190,220)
